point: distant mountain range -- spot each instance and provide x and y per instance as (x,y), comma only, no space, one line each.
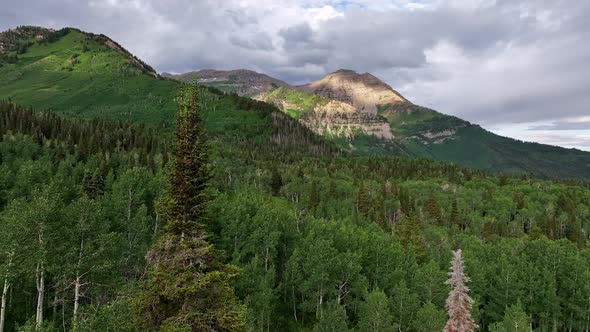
(241,81)
(88,75)
(368,117)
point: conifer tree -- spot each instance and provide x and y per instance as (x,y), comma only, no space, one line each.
(459,303)
(363,200)
(187,287)
(314,196)
(276,181)
(433,211)
(455,217)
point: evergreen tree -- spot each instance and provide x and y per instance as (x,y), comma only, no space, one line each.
(187,287)
(314,196)
(411,235)
(276,181)
(459,303)
(455,216)
(363,200)
(433,211)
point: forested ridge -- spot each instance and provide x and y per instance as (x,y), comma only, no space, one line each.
(311,238)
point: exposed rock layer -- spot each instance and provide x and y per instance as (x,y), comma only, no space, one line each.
(363,91)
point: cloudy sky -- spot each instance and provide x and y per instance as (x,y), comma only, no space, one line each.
(520,68)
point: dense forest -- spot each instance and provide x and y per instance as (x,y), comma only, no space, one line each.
(321,240)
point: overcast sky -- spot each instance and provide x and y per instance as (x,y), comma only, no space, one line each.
(520,68)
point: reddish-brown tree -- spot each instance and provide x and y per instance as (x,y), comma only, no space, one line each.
(459,303)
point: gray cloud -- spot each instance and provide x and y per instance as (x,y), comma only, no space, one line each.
(564,125)
(260,41)
(300,33)
(580,142)
(491,62)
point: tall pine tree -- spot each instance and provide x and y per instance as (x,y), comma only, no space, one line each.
(187,287)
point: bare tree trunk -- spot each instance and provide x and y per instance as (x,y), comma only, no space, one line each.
(156,226)
(294,305)
(77,286)
(76,303)
(129,234)
(5,293)
(3,312)
(40,295)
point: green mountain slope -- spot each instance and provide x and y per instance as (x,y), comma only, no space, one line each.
(418,131)
(82,74)
(434,135)
(87,75)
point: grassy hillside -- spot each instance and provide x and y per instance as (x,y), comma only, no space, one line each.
(79,74)
(296,103)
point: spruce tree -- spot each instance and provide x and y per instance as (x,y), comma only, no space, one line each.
(363,200)
(276,181)
(187,287)
(433,211)
(459,303)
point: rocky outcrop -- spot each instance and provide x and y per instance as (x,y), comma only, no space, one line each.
(347,124)
(327,117)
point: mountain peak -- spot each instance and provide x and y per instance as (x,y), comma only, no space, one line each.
(16,41)
(364,91)
(244,82)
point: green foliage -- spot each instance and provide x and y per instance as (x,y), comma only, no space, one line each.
(299,102)
(515,320)
(187,288)
(84,238)
(429,318)
(375,315)
(80,75)
(333,319)
(276,182)
(114,316)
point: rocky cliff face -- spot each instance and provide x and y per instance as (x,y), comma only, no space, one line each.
(363,91)
(327,116)
(241,81)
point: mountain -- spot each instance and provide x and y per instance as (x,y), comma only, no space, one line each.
(71,72)
(366,116)
(328,117)
(81,74)
(363,91)
(241,81)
